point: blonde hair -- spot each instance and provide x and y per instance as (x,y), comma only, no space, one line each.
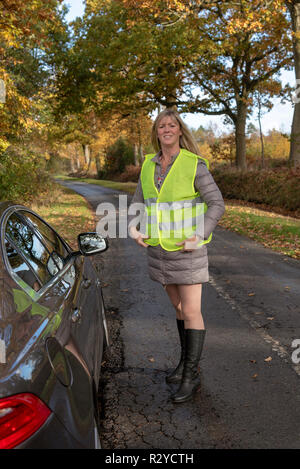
(186,140)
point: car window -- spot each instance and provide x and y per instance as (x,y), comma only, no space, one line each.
(21,268)
(50,238)
(28,248)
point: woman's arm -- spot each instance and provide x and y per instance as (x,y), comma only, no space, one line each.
(211,195)
(137,204)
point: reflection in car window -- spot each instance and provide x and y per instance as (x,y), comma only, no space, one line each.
(20,267)
(33,251)
(51,239)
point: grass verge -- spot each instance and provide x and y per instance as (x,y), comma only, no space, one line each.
(277,232)
(68,212)
(274,231)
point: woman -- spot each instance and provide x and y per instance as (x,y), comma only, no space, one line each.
(178,191)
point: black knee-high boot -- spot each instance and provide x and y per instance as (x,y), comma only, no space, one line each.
(176,375)
(194,340)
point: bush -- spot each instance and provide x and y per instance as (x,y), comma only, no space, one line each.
(22,175)
(131,174)
(118,156)
(278,187)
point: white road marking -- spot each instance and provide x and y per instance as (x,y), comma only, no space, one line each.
(279,349)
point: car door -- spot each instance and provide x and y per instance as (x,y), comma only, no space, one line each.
(36,261)
(86,325)
(79,292)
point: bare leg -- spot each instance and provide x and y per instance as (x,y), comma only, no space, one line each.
(190,300)
(173,293)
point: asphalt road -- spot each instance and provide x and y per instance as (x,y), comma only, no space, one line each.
(250,392)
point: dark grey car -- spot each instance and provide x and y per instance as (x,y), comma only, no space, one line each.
(52,335)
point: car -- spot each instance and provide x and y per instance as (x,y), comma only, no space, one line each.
(53,333)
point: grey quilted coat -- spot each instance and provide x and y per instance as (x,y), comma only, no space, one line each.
(178,267)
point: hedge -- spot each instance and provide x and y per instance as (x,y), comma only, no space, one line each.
(278,187)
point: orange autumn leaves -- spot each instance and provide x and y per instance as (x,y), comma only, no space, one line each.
(279,234)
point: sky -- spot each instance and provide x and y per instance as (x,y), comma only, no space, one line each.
(280,117)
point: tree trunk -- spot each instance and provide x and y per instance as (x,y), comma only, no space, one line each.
(72,166)
(260,133)
(77,158)
(294,8)
(136,156)
(86,154)
(240,136)
(141,153)
(139,159)
(98,165)
(90,160)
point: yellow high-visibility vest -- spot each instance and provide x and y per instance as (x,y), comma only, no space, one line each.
(176,211)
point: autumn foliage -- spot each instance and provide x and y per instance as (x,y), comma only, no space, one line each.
(27,30)
(80,97)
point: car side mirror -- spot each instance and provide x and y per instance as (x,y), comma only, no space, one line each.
(91,243)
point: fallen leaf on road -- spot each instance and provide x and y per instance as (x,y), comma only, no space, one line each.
(255,376)
(251,294)
(151,359)
(253,361)
(270,319)
(268,359)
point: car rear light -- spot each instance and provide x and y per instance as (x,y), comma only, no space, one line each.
(21,416)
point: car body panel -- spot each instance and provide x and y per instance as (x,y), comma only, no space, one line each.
(49,354)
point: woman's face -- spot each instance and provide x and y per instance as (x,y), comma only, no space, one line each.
(168,131)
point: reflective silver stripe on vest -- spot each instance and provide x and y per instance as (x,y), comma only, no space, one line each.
(179,204)
(152,219)
(175,205)
(180,226)
(197,222)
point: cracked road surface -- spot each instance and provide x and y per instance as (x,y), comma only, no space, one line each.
(249,396)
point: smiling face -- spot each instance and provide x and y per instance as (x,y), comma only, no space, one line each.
(168,132)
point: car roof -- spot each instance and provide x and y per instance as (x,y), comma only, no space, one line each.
(8,204)
(5,205)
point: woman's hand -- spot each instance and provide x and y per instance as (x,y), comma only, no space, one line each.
(190,244)
(138,237)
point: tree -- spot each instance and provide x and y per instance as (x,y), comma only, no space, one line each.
(245,47)
(25,34)
(224,49)
(294,9)
(135,65)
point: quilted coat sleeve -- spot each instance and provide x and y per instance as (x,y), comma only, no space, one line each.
(210,193)
(138,198)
